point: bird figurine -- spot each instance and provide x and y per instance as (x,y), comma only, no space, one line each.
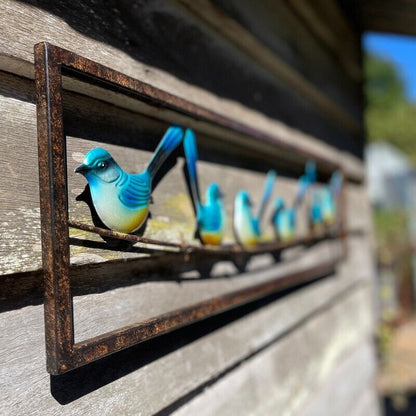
(316,218)
(247,227)
(122,199)
(284,218)
(211,216)
(329,198)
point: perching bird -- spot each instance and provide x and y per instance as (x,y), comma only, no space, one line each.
(122,199)
(247,227)
(316,219)
(329,198)
(284,218)
(211,216)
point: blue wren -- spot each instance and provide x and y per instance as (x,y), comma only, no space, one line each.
(122,199)
(211,216)
(247,226)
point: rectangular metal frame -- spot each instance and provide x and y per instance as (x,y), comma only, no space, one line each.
(63,354)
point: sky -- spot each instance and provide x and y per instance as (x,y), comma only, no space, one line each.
(399,49)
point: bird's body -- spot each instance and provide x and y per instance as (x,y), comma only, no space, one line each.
(247,227)
(284,219)
(122,199)
(211,219)
(327,206)
(211,216)
(316,218)
(117,205)
(329,198)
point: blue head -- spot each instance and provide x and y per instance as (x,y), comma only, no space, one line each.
(99,166)
(242,200)
(279,204)
(213,193)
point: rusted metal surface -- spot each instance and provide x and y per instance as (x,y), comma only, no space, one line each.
(54,212)
(93,348)
(62,353)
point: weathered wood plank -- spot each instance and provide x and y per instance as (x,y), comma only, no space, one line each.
(276,25)
(269,382)
(19,191)
(343,43)
(261,54)
(149,386)
(24,25)
(384,16)
(101,313)
(350,389)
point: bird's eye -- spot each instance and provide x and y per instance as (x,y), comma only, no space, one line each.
(102,165)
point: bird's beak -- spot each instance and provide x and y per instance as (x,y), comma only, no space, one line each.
(82,169)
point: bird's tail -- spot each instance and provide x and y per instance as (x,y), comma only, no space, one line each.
(305,181)
(191,155)
(267,193)
(335,183)
(303,186)
(167,145)
(310,170)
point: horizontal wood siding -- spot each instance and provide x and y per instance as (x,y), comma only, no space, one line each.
(278,66)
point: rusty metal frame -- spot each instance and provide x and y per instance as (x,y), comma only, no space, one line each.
(63,354)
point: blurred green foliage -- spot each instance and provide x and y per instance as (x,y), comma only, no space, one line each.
(389,116)
(391,227)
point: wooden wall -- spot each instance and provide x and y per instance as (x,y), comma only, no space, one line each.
(290,67)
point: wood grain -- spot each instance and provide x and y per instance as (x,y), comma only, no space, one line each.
(358,397)
(261,54)
(153,385)
(217,88)
(268,383)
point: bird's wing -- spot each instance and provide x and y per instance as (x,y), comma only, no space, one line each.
(167,145)
(135,192)
(191,155)
(267,192)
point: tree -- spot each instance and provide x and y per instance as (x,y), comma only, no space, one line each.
(389,116)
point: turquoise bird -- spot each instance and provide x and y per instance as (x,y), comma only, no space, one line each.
(211,216)
(247,227)
(122,199)
(329,198)
(316,218)
(284,218)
